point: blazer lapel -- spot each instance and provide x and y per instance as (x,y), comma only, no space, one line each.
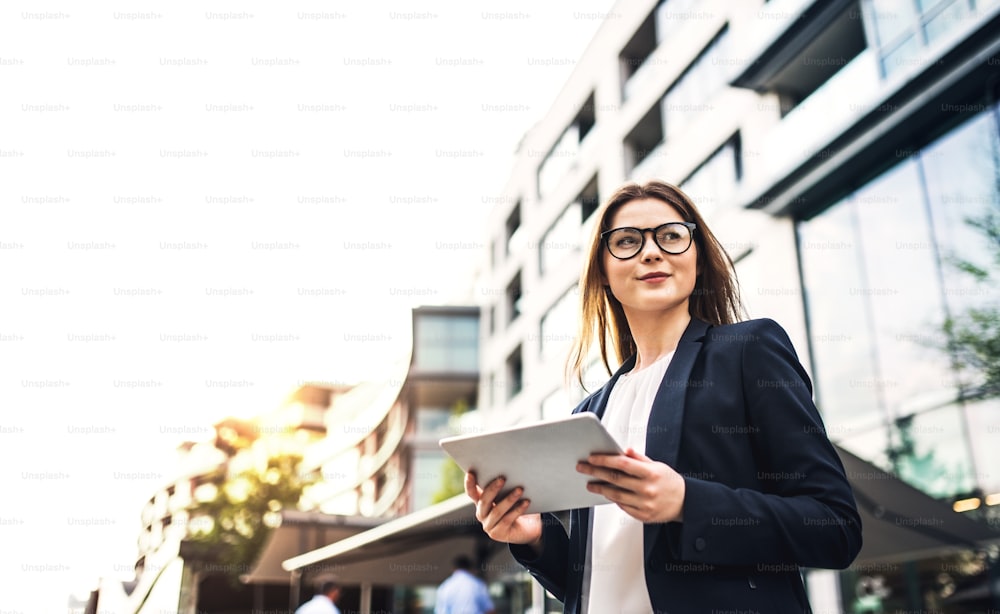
(663,431)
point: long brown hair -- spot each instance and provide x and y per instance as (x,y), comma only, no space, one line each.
(716,295)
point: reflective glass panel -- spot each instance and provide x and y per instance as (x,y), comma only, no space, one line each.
(892,18)
(447,342)
(902,289)
(841,336)
(928,451)
(984,427)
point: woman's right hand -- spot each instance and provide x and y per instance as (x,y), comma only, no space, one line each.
(504,520)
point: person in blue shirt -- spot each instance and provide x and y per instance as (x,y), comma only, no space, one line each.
(462,592)
(324,602)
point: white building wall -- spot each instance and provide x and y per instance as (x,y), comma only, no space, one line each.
(602,153)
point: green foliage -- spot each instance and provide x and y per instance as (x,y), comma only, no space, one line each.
(452,476)
(975,340)
(452,481)
(240,511)
(974,334)
(918,469)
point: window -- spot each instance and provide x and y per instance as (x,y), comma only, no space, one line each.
(515,374)
(589,200)
(880,276)
(691,93)
(433,422)
(586,117)
(446,342)
(928,451)
(513,294)
(558,161)
(561,239)
(643,139)
(713,183)
(512,225)
(877,294)
(636,51)
(559,326)
(563,154)
(903,28)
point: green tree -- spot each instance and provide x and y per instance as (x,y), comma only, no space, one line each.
(229,529)
(974,334)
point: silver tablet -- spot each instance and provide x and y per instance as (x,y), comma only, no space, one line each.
(541,457)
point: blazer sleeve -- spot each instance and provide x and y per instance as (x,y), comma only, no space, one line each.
(550,567)
(802,511)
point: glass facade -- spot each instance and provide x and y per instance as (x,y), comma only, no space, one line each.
(447,343)
(883,270)
(903,29)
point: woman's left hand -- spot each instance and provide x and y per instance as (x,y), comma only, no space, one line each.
(647,490)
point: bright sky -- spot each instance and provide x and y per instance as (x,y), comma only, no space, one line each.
(203,205)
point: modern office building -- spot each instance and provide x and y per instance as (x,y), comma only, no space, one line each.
(846,153)
(172,572)
(372,452)
(380,458)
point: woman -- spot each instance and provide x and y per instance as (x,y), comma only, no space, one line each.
(728,484)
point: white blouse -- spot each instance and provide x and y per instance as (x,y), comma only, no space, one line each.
(614,579)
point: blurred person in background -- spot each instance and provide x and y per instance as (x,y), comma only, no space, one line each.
(323,602)
(462,592)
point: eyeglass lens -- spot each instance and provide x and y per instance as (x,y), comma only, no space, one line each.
(672,238)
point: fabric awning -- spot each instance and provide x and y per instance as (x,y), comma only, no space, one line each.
(302,532)
(901,522)
(416,549)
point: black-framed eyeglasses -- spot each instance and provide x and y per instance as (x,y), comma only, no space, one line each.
(672,238)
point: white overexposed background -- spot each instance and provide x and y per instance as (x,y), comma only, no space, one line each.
(204,205)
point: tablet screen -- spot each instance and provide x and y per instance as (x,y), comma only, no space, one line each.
(541,457)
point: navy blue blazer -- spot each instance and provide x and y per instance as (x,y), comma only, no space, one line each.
(766,493)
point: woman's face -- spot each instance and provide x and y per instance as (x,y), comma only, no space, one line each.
(652,281)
